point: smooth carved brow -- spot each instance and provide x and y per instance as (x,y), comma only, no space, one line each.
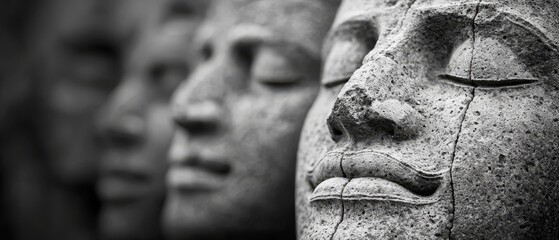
(363,30)
(523,23)
(360,27)
(248,34)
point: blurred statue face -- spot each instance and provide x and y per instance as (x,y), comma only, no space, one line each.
(137,128)
(83,41)
(82,69)
(448,129)
(239,117)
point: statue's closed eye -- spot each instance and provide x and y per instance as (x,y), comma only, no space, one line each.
(274,68)
(489,64)
(167,75)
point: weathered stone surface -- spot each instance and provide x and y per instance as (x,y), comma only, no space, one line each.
(447,130)
(137,128)
(505,172)
(239,117)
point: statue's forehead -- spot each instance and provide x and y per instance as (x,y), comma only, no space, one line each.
(304,22)
(359,9)
(271,12)
(286,14)
(541,15)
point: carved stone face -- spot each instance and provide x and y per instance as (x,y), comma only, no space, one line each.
(448,127)
(138,129)
(82,42)
(81,68)
(239,116)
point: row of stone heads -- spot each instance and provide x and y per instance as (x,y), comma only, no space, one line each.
(310,119)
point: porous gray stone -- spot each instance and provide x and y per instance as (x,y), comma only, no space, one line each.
(448,129)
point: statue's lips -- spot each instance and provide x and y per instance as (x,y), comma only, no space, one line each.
(370,175)
(190,179)
(122,185)
(197,174)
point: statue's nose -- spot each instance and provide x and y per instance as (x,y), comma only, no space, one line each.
(124,130)
(357,116)
(198,117)
(121,122)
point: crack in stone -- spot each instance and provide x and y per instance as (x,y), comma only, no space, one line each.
(473,92)
(341,159)
(341,199)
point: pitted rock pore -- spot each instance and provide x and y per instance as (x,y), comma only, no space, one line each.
(480,81)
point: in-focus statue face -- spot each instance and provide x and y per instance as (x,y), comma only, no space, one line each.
(448,129)
(138,128)
(239,116)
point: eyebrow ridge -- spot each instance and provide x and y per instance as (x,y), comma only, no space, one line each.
(253,33)
(256,34)
(511,17)
(355,22)
(358,21)
(523,23)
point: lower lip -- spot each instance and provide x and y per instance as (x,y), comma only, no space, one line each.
(368,189)
(119,190)
(185,179)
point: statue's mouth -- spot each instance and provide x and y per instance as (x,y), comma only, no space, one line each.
(198,175)
(122,185)
(374,176)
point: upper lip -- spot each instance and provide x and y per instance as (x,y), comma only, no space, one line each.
(374,176)
(126,175)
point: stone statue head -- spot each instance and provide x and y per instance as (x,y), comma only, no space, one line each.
(81,45)
(137,129)
(435,120)
(80,57)
(239,116)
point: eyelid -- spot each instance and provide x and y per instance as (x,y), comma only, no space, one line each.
(493,64)
(333,83)
(273,67)
(487,83)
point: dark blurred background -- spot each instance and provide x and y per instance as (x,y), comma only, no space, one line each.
(59,61)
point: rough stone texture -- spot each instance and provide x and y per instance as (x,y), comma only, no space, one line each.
(137,129)
(447,130)
(505,171)
(239,116)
